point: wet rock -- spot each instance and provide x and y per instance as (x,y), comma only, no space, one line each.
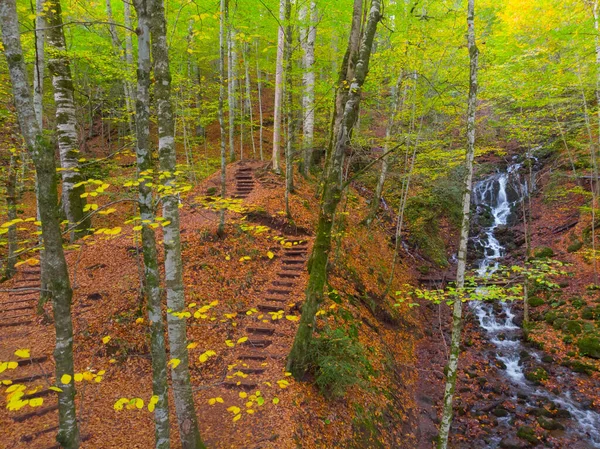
(512,443)
(527,433)
(500,412)
(549,423)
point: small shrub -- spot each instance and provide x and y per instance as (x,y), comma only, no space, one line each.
(339,362)
(535,301)
(575,246)
(543,252)
(571,327)
(589,346)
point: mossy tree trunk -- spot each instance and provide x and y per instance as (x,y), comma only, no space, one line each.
(147,215)
(42,154)
(180,374)
(452,368)
(66,122)
(332,193)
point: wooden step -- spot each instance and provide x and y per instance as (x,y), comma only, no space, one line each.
(16,323)
(292,262)
(297,268)
(33,360)
(245,384)
(270,307)
(294,255)
(34,435)
(38,394)
(283,283)
(37,412)
(261,329)
(252,369)
(24,293)
(253,355)
(31,271)
(279,291)
(289,275)
(26,379)
(276,299)
(30,285)
(257,342)
(27,307)
(4,317)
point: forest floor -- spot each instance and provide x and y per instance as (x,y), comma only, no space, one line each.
(241,403)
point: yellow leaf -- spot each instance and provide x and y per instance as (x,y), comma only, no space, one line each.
(78,377)
(53,388)
(237,417)
(275,401)
(250,411)
(212,401)
(6,382)
(292,318)
(242,340)
(243,394)
(12,365)
(65,379)
(270,255)
(174,363)
(139,403)
(36,402)
(151,407)
(106,339)
(22,353)
(139,320)
(192,345)
(229,343)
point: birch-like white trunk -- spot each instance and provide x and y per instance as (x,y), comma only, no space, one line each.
(222,31)
(66,122)
(147,215)
(129,52)
(180,374)
(39,65)
(278,112)
(231,85)
(260,108)
(42,154)
(308,36)
(249,97)
(452,368)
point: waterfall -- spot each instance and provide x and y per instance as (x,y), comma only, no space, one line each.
(498,326)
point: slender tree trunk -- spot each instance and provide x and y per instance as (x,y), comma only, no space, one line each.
(331,196)
(146,205)
(180,374)
(249,97)
(231,85)
(66,122)
(38,70)
(260,109)
(222,31)
(308,36)
(386,158)
(129,56)
(11,205)
(42,153)
(452,368)
(290,120)
(278,113)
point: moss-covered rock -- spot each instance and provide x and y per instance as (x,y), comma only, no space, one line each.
(527,433)
(535,301)
(588,313)
(543,252)
(537,375)
(549,424)
(571,327)
(575,246)
(589,346)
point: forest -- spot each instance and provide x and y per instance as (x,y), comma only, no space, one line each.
(284,224)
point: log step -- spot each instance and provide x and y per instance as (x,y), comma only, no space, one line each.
(22,380)
(24,293)
(16,323)
(39,412)
(252,369)
(33,360)
(279,291)
(269,307)
(289,275)
(275,299)
(283,284)
(245,384)
(253,355)
(33,436)
(295,268)
(292,262)
(261,330)
(294,255)
(20,301)
(255,342)
(39,394)
(16,308)
(35,285)
(12,317)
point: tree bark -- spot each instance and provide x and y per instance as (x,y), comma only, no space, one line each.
(278,113)
(452,368)
(231,75)
(331,196)
(245,56)
(180,375)
(222,26)
(291,128)
(38,69)
(11,205)
(42,154)
(66,122)
(147,215)
(308,36)
(260,108)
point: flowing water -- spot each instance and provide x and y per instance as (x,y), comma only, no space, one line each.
(501,193)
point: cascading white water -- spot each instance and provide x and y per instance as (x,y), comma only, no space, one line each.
(498,324)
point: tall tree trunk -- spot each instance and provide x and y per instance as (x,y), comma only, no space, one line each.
(129,54)
(11,205)
(38,68)
(464,234)
(331,196)
(260,109)
(308,36)
(249,97)
(42,153)
(231,61)
(147,215)
(222,31)
(66,122)
(180,374)
(289,107)
(278,113)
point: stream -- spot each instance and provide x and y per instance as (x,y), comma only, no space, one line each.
(501,193)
